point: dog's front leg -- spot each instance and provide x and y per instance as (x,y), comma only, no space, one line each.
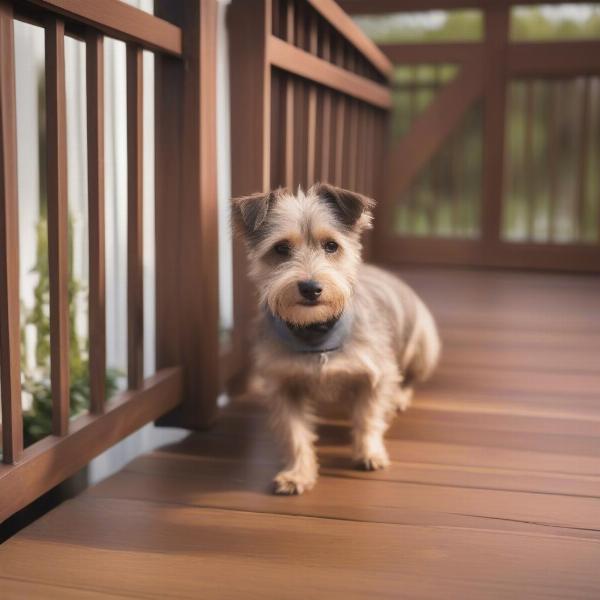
(292,421)
(371,417)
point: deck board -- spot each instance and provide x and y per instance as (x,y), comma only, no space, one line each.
(493,491)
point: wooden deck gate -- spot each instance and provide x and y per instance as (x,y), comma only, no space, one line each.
(517,206)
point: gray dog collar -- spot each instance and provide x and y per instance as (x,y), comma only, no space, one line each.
(312,339)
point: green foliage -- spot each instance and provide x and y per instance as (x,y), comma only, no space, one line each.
(37,421)
(533,23)
(456,25)
(580,21)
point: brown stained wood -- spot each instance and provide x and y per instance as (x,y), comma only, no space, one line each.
(58,223)
(10,336)
(298,158)
(51,460)
(495,90)
(553,59)
(135,203)
(169,550)
(299,62)
(96,218)
(326,118)
(407,156)
(353,141)
(187,285)
(492,490)
(16,590)
(119,20)
(312,110)
(288,170)
(458,503)
(528,167)
(583,159)
(340,121)
(519,255)
(289,92)
(250,139)
(553,126)
(165,550)
(339,20)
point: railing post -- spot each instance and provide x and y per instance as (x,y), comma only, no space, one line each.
(249,24)
(187,295)
(10,358)
(495,81)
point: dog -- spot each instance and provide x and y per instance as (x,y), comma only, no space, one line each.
(329,327)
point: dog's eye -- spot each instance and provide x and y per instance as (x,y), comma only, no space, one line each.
(283,249)
(330,246)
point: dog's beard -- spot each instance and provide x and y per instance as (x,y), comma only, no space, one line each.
(284,301)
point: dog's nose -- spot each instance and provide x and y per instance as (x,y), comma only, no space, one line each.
(310,289)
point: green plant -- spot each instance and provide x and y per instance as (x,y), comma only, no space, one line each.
(37,420)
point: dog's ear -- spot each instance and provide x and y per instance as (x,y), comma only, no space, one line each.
(352,209)
(250,212)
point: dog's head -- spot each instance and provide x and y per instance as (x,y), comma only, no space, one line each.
(304,249)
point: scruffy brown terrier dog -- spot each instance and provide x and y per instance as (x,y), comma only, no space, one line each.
(329,326)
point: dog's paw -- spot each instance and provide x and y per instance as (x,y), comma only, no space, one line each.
(404,399)
(373,462)
(293,483)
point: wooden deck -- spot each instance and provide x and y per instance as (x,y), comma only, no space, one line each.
(494,490)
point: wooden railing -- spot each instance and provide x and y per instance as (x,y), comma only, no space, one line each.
(486,71)
(310,98)
(182,35)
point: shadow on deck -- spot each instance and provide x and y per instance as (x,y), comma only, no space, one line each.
(493,491)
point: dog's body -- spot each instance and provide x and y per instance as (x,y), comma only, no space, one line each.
(359,335)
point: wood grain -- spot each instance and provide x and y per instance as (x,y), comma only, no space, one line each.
(96,219)
(493,490)
(135,217)
(165,550)
(340,20)
(120,20)
(299,62)
(187,280)
(10,336)
(58,223)
(51,460)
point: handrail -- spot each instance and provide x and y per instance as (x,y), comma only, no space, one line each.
(344,24)
(299,62)
(51,460)
(118,20)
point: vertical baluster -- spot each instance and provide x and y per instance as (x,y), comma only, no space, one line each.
(340,118)
(300,105)
(10,368)
(312,106)
(553,126)
(411,193)
(326,116)
(528,159)
(369,149)
(289,103)
(58,223)
(135,274)
(95,156)
(582,171)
